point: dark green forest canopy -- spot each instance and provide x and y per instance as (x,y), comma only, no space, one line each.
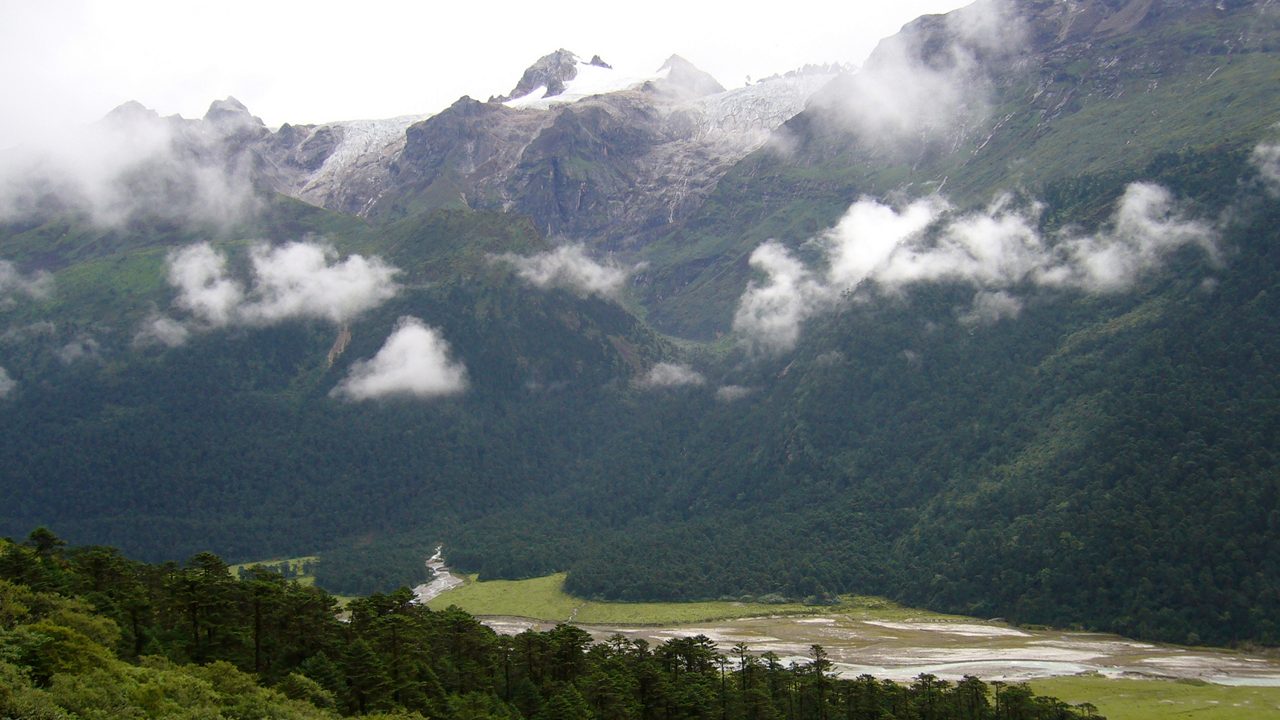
(86,632)
(1103,460)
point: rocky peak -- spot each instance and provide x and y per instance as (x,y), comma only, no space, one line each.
(131,112)
(685,80)
(231,114)
(552,72)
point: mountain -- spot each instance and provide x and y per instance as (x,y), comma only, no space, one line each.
(985,325)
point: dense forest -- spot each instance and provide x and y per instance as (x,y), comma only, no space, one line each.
(88,633)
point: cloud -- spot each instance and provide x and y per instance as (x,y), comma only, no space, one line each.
(569,267)
(295,280)
(303,280)
(879,248)
(40,328)
(200,274)
(414,362)
(770,313)
(732,393)
(83,347)
(1147,228)
(132,161)
(37,285)
(931,77)
(667,375)
(7,384)
(1266,158)
(989,308)
(161,330)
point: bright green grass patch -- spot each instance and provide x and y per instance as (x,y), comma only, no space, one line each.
(544,598)
(1125,699)
(299,569)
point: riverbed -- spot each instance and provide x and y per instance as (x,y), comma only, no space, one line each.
(902,648)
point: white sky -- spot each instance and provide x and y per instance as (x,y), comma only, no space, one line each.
(68,62)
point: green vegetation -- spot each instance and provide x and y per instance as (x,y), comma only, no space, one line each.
(86,633)
(1125,699)
(299,569)
(544,598)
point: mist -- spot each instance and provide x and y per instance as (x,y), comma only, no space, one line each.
(296,280)
(931,78)
(879,250)
(158,329)
(130,163)
(569,267)
(37,285)
(83,347)
(7,383)
(413,362)
(732,393)
(670,375)
(1266,158)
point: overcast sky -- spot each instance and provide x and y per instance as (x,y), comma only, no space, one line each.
(67,62)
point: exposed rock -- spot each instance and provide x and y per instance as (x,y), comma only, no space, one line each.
(551,72)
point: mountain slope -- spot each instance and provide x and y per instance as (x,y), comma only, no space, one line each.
(987,327)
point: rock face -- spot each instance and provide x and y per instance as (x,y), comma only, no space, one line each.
(550,72)
(608,169)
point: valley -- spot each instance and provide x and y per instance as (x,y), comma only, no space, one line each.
(1124,678)
(852,356)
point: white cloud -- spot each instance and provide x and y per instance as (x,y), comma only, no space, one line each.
(998,250)
(569,267)
(303,280)
(12,283)
(200,274)
(1146,228)
(413,362)
(7,384)
(666,375)
(732,393)
(296,280)
(770,313)
(161,330)
(869,233)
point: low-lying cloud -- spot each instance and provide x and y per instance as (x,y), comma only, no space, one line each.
(1266,158)
(292,281)
(997,250)
(571,268)
(82,347)
(733,393)
(932,77)
(414,362)
(7,383)
(130,162)
(13,283)
(669,375)
(161,330)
